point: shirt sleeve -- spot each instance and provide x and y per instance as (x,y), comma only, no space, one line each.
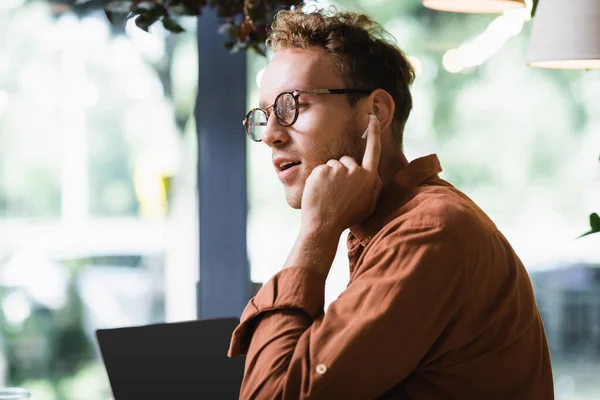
(406,291)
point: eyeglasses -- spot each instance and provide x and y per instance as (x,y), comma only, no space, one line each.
(286,110)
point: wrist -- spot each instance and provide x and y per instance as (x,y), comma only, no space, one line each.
(320,229)
(315,248)
(319,238)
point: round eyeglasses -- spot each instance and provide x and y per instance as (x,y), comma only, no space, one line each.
(286,111)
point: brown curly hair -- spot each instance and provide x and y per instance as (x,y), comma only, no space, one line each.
(362,55)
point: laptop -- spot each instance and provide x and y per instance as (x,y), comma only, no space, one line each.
(175,361)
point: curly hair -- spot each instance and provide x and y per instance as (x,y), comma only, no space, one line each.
(358,45)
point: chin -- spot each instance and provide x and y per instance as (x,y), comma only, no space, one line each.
(294,197)
(294,201)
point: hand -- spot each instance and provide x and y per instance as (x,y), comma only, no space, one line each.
(342,193)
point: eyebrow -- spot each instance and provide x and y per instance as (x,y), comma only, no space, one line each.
(264,104)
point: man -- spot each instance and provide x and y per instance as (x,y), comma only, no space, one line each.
(438,305)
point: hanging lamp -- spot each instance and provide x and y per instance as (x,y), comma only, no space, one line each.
(474,6)
(566,35)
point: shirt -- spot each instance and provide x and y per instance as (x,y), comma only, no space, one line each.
(438,306)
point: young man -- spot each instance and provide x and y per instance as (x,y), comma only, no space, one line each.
(438,305)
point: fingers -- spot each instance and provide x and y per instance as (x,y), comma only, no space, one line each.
(335,164)
(373,148)
(346,162)
(349,163)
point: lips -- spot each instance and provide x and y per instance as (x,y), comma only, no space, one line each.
(288,165)
(285,167)
(284,163)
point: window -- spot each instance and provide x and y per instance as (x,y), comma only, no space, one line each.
(97,173)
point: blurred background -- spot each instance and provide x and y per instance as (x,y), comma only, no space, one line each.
(98,178)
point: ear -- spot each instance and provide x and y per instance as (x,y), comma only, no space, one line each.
(382,104)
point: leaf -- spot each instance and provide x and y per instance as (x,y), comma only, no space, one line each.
(534,8)
(144,21)
(149,16)
(109,16)
(594,224)
(171,25)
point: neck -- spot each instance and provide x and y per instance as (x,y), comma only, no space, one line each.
(391,162)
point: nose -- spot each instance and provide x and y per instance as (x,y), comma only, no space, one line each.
(275,135)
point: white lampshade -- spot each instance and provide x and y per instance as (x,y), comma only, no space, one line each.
(566,35)
(475,6)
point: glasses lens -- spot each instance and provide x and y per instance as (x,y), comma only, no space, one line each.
(285,109)
(257,124)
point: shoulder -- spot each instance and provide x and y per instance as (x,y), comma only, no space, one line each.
(437,213)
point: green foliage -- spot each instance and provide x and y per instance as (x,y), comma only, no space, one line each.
(594,224)
(534,8)
(246,22)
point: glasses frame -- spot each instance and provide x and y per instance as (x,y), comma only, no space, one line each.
(295,94)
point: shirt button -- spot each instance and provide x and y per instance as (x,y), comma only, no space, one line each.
(321,369)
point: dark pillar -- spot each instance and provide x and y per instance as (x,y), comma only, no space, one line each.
(224,285)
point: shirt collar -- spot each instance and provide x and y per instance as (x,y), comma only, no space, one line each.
(392,196)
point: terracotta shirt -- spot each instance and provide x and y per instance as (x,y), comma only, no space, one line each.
(438,306)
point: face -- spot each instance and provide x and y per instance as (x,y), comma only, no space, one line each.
(327,126)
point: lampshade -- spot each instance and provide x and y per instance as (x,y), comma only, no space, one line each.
(566,35)
(474,6)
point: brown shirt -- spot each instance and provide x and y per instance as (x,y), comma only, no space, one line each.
(438,306)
